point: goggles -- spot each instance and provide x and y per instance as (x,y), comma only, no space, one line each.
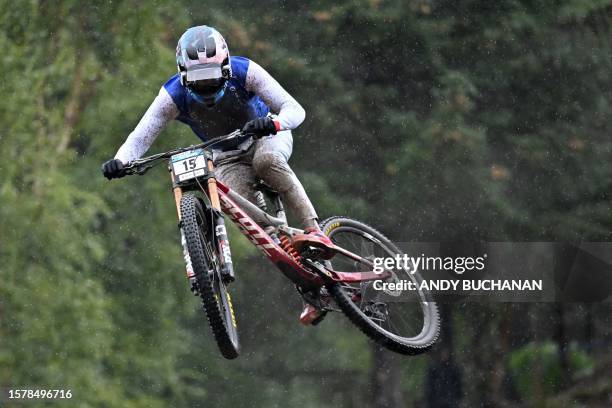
(205,79)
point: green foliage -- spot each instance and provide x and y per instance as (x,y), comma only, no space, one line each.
(430,120)
(537,365)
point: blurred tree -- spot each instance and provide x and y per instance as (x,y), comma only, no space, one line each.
(431,120)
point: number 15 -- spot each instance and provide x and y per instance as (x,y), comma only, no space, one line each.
(191,165)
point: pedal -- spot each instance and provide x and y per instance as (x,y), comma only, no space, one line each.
(319,319)
(377,311)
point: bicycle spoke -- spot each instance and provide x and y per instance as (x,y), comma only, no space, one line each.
(399,318)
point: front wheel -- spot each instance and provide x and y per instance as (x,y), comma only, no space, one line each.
(215,297)
(407,323)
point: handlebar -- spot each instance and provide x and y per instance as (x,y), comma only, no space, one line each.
(141,166)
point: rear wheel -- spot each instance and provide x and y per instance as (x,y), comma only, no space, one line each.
(407,321)
(216,300)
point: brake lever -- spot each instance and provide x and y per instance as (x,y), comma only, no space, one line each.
(142,170)
(138,169)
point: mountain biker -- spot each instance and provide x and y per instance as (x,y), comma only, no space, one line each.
(215,94)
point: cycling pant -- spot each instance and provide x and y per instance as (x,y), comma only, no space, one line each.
(266,158)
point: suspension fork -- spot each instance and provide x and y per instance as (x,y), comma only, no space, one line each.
(217,222)
(178,195)
(220,233)
(213,194)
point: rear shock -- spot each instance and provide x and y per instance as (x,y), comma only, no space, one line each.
(285,243)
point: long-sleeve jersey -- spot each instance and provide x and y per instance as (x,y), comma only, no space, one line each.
(251,92)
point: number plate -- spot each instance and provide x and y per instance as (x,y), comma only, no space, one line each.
(188,165)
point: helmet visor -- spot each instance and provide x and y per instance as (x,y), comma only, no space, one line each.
(205,79)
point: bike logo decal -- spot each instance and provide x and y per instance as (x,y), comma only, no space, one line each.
(231,307)
(221,233)
(227,255)
(332,227)
(189,267)
(247,227)
(220,230)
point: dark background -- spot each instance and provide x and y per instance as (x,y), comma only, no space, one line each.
(457,121)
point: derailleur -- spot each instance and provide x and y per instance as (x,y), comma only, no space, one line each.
(377,311)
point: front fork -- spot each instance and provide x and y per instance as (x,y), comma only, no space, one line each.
(178,195)
(219,236)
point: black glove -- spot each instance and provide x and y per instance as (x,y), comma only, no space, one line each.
(113,169)
(260,127)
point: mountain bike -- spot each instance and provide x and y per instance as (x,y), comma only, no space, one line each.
(344,283)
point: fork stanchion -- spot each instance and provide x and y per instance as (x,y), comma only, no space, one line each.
(178,194)
(212,188)
(225,255)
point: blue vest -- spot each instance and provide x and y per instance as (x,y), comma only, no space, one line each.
(236,107)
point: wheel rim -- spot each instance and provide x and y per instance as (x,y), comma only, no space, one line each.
(403,317)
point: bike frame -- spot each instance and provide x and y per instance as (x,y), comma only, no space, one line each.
(219,197)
